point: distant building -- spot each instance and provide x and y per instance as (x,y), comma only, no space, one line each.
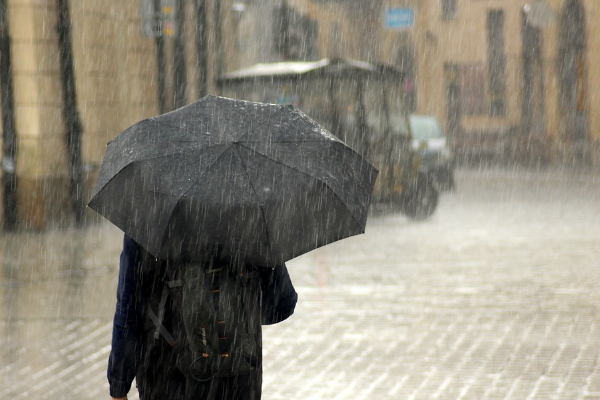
(117,84)
(510,80)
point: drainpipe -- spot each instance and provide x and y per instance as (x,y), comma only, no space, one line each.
(201,48)
(161,65)
(179,74)
(335,115)
(73,125)
(9,134)
(284,30)
(218,38)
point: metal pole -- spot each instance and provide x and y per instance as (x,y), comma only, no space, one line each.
(285,30)
(201,48)
(73,125)
(335,115)
(9,134)
(179,73)
(161,65)
(218,38)
(363,140)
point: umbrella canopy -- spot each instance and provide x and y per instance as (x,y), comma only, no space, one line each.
(261,182)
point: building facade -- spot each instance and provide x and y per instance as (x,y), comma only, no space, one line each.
(510,80)
(117,79)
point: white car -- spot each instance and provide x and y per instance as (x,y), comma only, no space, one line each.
(429,140)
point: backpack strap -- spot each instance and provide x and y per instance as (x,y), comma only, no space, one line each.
(216,291)
(168,285)
(222,331)
(158,320)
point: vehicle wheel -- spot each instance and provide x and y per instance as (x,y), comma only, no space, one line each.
(422,200)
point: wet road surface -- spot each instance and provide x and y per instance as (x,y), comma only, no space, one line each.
(497,296)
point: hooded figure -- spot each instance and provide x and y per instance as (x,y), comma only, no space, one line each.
(138,351)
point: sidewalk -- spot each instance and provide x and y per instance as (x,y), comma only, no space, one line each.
(496,297)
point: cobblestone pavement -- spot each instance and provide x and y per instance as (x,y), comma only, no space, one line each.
(497,296)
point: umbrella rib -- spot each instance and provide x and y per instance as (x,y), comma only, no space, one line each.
(333,143)
(291,141)
(328,137)
(190,131)
(149,159)
(304,173)
(260,124)
(262,210)
(174,152)
(188,189)
(207,168)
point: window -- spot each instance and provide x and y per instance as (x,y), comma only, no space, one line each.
(472,89)
(294,34)
(496,62)
(469,91)
(448,9)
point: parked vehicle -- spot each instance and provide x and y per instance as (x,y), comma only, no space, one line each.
(359,102)
(429,140)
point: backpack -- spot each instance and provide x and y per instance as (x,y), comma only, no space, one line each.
(215,318)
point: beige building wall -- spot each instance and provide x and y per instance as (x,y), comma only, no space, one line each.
(336,36)
(41,154)
(222,57)
(593,75)
(114,69)
(116,79)
(345,30)
(463,40)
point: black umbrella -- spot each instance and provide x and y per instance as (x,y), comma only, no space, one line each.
(263,182)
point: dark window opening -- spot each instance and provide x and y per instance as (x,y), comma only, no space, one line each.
(467,90)
(406,64)
(472,89)
(496,63)
(449,9)
(452,75)
(295,35)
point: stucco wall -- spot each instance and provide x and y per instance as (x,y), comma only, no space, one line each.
(116,78)
(114,69)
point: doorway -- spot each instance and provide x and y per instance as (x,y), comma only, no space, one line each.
(572,72)
(533,144)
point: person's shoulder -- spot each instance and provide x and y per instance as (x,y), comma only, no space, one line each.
(132,251)
(130,245)
(128,241)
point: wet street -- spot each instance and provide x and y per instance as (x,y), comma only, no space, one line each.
(497,296)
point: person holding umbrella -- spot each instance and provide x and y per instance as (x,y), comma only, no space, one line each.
(214,198)
(136,352)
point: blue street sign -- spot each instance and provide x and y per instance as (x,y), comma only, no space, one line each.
(399,18)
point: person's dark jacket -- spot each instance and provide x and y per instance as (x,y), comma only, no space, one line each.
(278,302)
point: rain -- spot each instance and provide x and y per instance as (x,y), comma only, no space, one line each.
(427,170)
